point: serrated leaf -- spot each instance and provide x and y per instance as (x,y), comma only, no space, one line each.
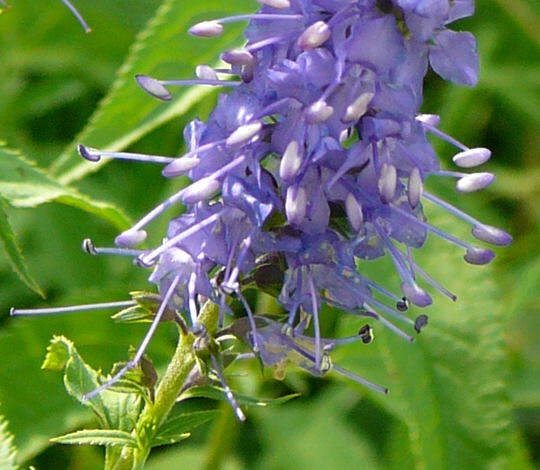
(217,393)
(8,452)
(178,426)
(13,252)
(448,387)
(126,114)
(114,410)
(23,184)
(135,314)
(98,437)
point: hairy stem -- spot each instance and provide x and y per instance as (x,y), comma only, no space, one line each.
(154,414)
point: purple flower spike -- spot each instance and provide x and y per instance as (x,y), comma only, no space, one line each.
(311,165)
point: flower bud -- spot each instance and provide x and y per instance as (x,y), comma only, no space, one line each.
(290,162)
(244,133)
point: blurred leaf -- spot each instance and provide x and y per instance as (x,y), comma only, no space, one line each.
(217,393)
(98,437)
(127,113)
(188,458)
(8,452)
(22,184)
(449,387)
(114,410)
(178,425)
(314,435)
(14,254)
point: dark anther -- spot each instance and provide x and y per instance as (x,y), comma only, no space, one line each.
(348,31)
(420,322)
(142,263)
(403,304)
(366,334)
(88,246)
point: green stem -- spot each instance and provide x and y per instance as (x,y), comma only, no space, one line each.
(222,437)
(154,414)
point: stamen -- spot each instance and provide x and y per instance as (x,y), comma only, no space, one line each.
(192,303)
(478,256)
(387,182)
(280,4)
(213,28)
(77,15)
(88,247)
(316,326)
(415,188)
(402,305)
(238,57)
(358,108)
(142,347)
(205,72)
(443,136)
(251,319)
(431,119)
(291,161)
(390,311)
(472,157)
(180,166)
(420,322)
(318,112)
(474,182)
(130,238)
(228,392)
(231,283)
(314,36)
(386,323)
(296,204)
(206,29)
(157,89)
(94,155)
(244,133)
(201,190)
(147,259)
(483,232)
(360,380)
(354,212)
(35,312)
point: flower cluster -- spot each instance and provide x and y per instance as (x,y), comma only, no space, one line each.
(312,165)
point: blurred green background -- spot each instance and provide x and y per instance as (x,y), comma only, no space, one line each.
(466,396)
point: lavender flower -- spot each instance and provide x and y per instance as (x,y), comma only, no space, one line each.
(316,161)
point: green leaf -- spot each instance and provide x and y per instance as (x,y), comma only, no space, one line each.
(8,452)
(14,254)
(22,184)
(98,437)
(178,426)
(217,393)
(449,387)
(114,410)
(317,435)
(127,113)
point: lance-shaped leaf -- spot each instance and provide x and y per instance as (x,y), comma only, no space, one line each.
(98,437)
(23,184)
(14,253)
(217,393)
(126,114)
